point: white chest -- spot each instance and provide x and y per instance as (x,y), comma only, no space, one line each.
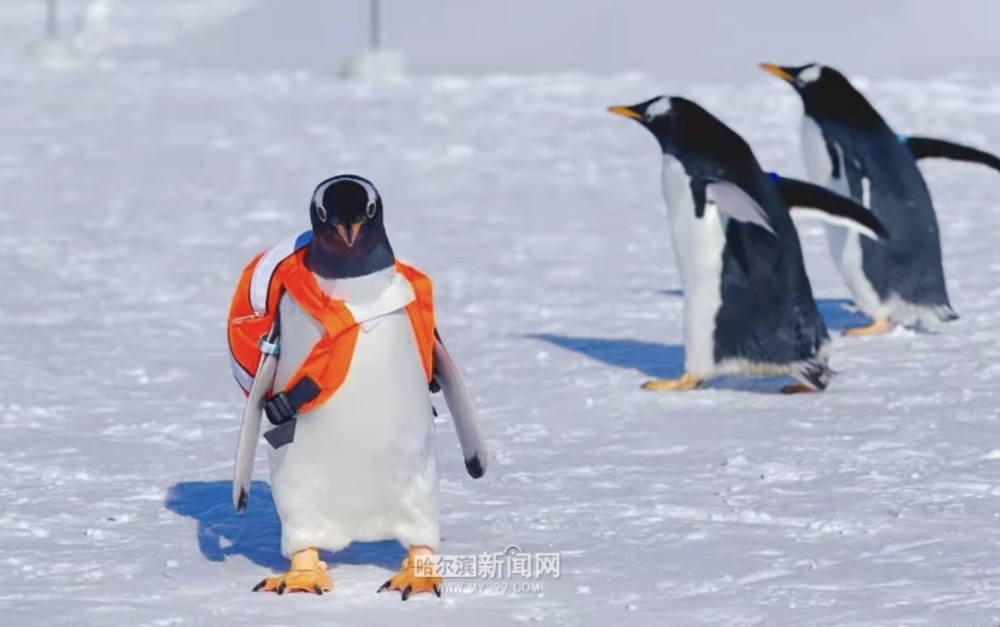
(698,246)
(843,243)
(815,155)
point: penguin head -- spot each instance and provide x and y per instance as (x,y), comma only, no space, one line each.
(686,130)
(825,92)
(348,229)
(657,115)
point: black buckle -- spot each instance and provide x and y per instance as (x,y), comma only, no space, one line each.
(283,406)
(279,409)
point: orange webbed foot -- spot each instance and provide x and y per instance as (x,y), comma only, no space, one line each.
(415,576)
(306,574)
(685,383)
(880,326)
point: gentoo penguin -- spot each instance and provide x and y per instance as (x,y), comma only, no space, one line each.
(748,304)
(357,352)
(850,148)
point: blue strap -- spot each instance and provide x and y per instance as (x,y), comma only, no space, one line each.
(270,348)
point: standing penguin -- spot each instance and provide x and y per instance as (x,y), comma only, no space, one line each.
(335,340)
(849,147)
(748,305)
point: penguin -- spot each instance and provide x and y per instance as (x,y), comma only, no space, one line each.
(850,148)
(352,455)
(748,304)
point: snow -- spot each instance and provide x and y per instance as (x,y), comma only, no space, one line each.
(134,196)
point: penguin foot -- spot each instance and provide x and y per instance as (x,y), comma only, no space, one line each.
(798,388)
(685,383)
(881,326)
(306,574)
(415,575)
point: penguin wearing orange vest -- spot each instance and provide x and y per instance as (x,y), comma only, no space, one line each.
(335,341)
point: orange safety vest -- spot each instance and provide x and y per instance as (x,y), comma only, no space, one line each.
(281,270)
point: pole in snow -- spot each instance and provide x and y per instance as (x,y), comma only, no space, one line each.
(51,19)
(374,23)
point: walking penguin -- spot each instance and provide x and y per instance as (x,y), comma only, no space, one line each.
(848,147)
(335,340)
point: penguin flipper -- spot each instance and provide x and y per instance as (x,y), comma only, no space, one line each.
(253,411)
(829,206)
(732,201)
(930,148)
(448,379)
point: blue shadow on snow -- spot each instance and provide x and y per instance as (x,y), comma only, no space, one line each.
(660,361)
(666,361)
(836,312)
(837,317)
(256,535)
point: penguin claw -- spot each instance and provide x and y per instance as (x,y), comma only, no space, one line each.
(409,583)
(309,581)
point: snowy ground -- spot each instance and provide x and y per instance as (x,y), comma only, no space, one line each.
(132,199)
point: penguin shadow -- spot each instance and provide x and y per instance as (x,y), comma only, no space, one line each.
(256,535)
(660,361)
(838,313)
(657,361)
(676,293)
(666,361)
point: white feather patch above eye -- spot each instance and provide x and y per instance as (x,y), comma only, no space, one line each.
(735,203)
(657,108)
(810,74)
(372,194)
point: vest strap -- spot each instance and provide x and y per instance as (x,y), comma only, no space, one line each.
(283,406)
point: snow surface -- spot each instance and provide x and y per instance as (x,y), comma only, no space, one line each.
(132,198)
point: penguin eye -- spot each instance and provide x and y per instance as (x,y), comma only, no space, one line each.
(321,213)
(370,209)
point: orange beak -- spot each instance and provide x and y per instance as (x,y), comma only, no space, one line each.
(629,113)
(349,237)
(777,71)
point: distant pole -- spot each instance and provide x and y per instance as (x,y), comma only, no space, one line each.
(51,19)
(375,26)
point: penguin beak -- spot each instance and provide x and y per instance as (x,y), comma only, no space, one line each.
(778,71)
(351,236)
(626,111)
